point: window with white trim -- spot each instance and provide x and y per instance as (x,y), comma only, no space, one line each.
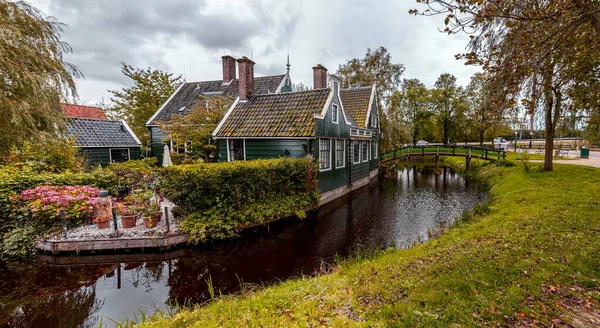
(376,150)
(340,153)
(373,120)
(324,154)
(334,113)
(119,155)
(236,150)
(364,151)
(369,150)
(356,152)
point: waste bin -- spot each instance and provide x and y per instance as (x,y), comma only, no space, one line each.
(585,153)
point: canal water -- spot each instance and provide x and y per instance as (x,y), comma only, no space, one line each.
(395,211)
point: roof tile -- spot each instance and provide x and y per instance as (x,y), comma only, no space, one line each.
(71,110)
(100,133)
(356,103)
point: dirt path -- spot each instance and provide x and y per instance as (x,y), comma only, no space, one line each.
(592,161)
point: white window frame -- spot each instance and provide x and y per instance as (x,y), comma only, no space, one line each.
(369,145)
(328,168)
(110,154)
(376,149)
(243,149)
(335,109)
(354,144)
(343,142)
(364,151)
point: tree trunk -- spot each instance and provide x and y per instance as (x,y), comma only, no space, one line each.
(548,106)
(482,137)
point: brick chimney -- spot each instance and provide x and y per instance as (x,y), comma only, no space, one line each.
(228,68)
(319,77)
(246,83)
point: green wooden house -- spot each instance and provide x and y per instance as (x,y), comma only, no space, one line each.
(188,93)
(99,140)
(339,127)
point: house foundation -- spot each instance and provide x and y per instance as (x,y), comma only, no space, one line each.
(336,193)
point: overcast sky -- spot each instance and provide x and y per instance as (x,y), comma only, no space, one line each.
(194,34)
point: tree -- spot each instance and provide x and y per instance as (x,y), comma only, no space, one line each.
(33,75)
(377,67)
(137,103)
(537,48)
(486,105)
(412,105)
(195,127)
(449,103)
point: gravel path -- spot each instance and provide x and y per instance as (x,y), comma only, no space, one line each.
(91,232)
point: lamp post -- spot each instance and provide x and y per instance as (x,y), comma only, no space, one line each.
(515,141)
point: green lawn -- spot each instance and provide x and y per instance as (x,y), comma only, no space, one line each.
(531,258)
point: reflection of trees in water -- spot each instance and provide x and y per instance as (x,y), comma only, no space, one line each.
(74,309)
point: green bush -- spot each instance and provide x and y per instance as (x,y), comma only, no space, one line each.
(226,196)
(136,173)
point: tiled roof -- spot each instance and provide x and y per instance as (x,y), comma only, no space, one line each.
(101,133)
(83,111)
(189,93)
(276,115)
(356,103)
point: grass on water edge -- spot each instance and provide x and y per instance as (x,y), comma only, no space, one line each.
(532,258)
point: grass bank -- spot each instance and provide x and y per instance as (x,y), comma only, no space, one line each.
(532,258)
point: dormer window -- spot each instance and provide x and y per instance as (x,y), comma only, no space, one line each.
(334,113)
(374,120)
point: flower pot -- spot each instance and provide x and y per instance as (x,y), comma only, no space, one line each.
(150,221)
(128,221)
(103,224)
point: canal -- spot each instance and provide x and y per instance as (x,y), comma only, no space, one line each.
(396,211)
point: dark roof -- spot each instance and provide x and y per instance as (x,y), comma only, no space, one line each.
(101,133)
(275,115)
(356,103)
(70,110)
(189,93)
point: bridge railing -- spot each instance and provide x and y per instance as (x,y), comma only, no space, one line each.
(445,150)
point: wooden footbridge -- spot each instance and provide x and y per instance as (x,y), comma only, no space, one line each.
(468,152)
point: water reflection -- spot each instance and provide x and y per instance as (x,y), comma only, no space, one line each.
(395,211)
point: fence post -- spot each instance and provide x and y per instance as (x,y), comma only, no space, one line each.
(167,219)
(63,218)
(486,153)
(114,215)
(453,149)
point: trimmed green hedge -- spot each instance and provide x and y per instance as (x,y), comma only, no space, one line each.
(226,196)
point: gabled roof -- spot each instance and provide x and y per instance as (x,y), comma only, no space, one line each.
(70,110)
(275,115)
(189,92)
(356,103)
(101,133)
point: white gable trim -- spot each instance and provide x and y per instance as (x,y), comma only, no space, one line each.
(329,99)
(131,132)
(163,105)
(371,100)
(214,134)
(285,78)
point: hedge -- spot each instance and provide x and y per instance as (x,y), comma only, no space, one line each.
(223,197)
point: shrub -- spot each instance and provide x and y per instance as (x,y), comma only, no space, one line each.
(136,173)
(44,203)
(50,155)
(226,196)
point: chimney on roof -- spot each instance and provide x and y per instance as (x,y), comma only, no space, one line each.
(228,68)
(246,82)
(319,77)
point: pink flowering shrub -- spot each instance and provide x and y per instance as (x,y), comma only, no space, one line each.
(45,202)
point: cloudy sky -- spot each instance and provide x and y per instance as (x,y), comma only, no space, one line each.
(190,36)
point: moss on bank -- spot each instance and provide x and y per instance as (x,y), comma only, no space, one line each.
(531,259)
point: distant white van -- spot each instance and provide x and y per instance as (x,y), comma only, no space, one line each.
(499,140)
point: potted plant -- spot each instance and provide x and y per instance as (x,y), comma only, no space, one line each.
(128,214)
(102,222)
(151,214)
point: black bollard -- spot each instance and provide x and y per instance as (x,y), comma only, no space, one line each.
(167,219)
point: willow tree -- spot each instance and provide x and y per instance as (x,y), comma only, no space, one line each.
(33,75)
(537,49)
